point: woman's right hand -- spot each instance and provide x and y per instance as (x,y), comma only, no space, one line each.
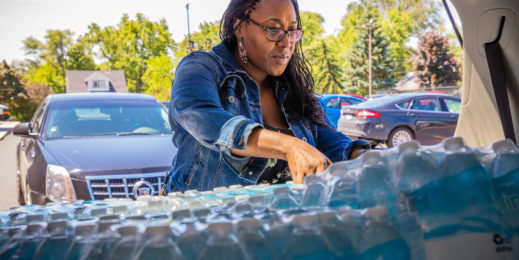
(304,159)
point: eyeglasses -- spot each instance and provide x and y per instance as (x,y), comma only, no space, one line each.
(277,34)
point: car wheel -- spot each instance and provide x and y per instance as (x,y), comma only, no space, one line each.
(399,135)
(21,197)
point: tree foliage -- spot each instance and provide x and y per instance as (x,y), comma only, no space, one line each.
(205,39)
(130,45)
(356,77)
(159,76)
(434,63)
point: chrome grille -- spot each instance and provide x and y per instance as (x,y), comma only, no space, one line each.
(115,186)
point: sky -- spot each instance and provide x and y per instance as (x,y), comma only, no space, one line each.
(20,19)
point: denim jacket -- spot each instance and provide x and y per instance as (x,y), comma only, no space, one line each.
(214,107)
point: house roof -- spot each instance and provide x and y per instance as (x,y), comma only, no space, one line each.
(77,80)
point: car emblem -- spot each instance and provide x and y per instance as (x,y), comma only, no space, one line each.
(142,188)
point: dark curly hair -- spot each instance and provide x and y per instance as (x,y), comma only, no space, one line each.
(296,77)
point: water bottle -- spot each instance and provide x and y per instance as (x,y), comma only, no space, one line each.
(105,241)
(380,239)
(83,241)
(414,170)
(33,239)
(283,199)
(374,184)
(191,240)
(221,243)
(505,173)
(159,244)
(306,241)
(253,241)
(458,210)
(316,192)
(16,238)
(350,221)
(57,242)
(277,229)
(127,246)
(344,192)
(336,236)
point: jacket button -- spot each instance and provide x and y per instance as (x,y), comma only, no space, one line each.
(250,173)
(304,139)
(231,99)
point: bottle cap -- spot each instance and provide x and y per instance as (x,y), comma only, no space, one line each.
(248,224)
(411,146)
(220,227)
(15,230)
(236,186)
(174,194)
(109,217)
(256,199)
(304,220)
(98,212)
(378,214)
(120,209)
(85,230)
(136,217)
(227,200)
(127,230)
(243,207)
(57,225)
(105,225)
(371,158)
(159,230)
(34,218)
(58,216)
(326,217)
(200,212)
(190,192)
(33,229)
(453,144)
(504,147)
(180,214)
(195,204)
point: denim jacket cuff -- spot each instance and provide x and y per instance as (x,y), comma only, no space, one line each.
(357,144)
(235,133)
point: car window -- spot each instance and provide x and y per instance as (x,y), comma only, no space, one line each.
(334,103)
(38,117)
(349,101)
(453,105)
(426,104)
(106,118)
(404,105)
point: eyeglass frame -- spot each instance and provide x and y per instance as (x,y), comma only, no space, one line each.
(285,32)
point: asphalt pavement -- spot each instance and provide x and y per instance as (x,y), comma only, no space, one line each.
(8,187)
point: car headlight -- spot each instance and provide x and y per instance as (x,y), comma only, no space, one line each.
(58,185)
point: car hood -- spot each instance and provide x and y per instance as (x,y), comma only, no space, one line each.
(113,154)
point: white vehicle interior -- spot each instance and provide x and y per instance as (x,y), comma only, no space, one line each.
(479,123)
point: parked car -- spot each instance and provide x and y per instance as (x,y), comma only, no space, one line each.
(428,118)
(332,104)
(4,113)
(93,146)
(165,104)
(373,96)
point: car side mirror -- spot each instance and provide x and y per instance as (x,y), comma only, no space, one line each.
(24,130)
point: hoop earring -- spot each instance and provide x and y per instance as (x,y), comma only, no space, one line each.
(242,51)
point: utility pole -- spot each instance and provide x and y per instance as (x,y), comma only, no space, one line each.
(370,65)
(188,31)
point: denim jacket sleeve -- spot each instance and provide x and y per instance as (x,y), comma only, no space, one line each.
(197,108)
(334,144)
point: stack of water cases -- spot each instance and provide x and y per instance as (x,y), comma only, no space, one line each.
(443,202)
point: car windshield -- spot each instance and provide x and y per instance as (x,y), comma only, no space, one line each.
(378,101)
(92,118)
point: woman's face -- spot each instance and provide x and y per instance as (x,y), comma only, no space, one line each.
(266,57)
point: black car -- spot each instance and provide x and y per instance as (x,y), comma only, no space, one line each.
(394,119)
(4,113)
(93,146)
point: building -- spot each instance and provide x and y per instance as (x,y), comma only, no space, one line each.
(79,81)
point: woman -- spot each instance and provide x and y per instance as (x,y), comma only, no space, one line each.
(245,112)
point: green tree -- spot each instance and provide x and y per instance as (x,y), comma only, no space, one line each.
(434,63)
(10,84)
(130,45)
(46,75)
(159,76)
(205,39)
(356,76)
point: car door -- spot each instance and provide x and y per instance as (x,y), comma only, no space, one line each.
(451,108)
(333,109)
(430,121)
(28,150)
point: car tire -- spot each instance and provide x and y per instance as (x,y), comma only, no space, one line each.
(399,135)
(21,196)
